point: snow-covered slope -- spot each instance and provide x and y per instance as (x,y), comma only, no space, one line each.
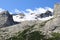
(31,16)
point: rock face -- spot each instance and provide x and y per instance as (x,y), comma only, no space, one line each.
(46,14)
(6,19)
(53,25)
(10,31)
(57,9)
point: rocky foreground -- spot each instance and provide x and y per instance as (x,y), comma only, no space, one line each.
(9,28)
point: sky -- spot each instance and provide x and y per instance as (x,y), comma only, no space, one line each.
(16,5)
(27,7)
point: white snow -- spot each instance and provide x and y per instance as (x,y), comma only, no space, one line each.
(28,15)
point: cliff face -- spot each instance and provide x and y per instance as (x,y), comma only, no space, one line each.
(57,9)
(53,25)
(49,26)
(6,19)
(46,14)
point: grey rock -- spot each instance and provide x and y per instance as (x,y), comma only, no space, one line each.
(54,24)
(46,14)
(6,19)
(49,26)
(11,30)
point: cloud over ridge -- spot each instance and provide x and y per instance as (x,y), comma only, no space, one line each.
(28,12)
(36,10)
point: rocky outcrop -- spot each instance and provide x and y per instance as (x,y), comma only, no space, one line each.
(53,25)
(10,31)
(6,19)
(57,9)
(47,27)
(46,14)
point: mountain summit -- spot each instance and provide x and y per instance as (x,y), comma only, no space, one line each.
(47,27)
(32,16)
(5,19)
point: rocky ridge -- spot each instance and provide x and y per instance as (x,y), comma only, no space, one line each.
(47,27)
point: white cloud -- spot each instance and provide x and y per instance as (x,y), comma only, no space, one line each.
(28,12)
(17,11)
(39,10)
(1,9)
(10,12)
(48,8)
(36,10)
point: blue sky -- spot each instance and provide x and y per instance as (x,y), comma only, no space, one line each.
(26,4)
